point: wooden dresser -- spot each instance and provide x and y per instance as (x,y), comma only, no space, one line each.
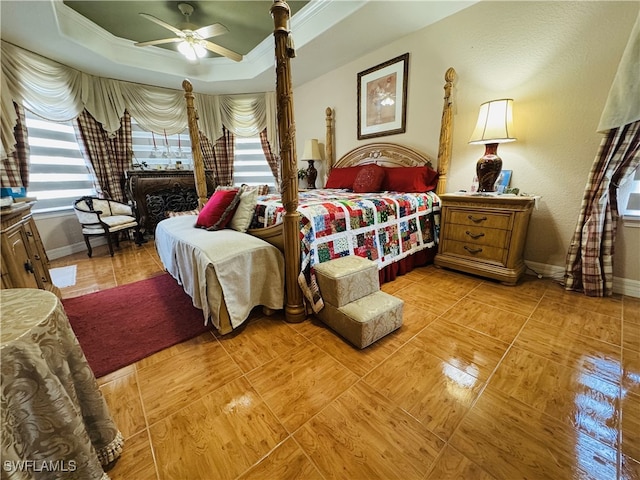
(484,235)
(24,260)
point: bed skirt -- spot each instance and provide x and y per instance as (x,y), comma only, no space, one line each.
(406,264)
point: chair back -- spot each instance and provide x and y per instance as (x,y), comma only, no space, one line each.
(93,204)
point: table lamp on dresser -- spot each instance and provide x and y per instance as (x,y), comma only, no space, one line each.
(311,154)
(495,125)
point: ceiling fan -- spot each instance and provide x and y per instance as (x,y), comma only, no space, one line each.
(192,41)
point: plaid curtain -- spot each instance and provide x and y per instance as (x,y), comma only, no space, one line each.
(109,157)
(589,265)
(15,167)
(209,158)
(224,155)
(272,160)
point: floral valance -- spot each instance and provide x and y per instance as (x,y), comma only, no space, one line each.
(60,93)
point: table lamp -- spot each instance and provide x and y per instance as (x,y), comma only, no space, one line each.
(495,125)
(311,153)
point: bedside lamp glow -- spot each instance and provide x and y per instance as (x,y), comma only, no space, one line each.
(495,125)
(311,154)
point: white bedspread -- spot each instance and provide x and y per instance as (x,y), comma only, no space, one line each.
(210,266)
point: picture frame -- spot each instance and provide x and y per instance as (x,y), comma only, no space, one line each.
(382,98)
(501,185)
(503,181)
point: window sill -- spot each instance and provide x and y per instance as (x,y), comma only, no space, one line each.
(632,221)
(53,212)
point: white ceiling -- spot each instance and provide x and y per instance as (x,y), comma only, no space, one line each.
(327,34)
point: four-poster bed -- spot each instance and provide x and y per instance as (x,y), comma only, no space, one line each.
(286,234)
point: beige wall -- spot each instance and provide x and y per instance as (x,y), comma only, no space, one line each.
(555,59)
(61,233)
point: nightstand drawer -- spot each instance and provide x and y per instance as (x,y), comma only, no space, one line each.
(477,235)
(477,252)
(479,218)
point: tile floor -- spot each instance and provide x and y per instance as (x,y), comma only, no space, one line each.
(482,381)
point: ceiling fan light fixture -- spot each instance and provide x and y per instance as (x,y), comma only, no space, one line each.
(186,49)
(199,49)
(191,41)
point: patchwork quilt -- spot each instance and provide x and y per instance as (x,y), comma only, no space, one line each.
(383,227)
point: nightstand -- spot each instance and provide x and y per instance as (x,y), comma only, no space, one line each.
(484,235)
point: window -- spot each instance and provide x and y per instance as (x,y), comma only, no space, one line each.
(629,200)
(160,151)
(250,165)
(58,173)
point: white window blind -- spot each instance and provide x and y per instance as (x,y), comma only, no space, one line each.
(160,151)
(629,200)
(250,165)
(58,173)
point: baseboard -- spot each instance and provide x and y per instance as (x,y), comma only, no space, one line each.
(622,286)
(74,248)
(545,270)
(625,286)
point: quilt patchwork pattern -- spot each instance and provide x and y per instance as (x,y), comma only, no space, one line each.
(383,227)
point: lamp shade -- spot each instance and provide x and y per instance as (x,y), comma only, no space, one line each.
(495,123)
(311,150)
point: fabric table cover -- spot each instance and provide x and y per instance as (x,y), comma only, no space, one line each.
(55,421)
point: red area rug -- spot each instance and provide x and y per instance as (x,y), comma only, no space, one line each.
(121,325)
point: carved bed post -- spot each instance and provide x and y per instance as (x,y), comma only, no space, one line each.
(328,146)
(444,150)
(294,302)
(196,152)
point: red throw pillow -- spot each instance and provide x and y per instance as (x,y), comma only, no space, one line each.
(410,179)
(219,210)
(342,177)
(369,179)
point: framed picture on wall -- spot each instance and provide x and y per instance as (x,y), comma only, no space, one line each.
(382,98)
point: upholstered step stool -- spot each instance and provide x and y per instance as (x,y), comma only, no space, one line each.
(365,320)
(346,279)
(354,306)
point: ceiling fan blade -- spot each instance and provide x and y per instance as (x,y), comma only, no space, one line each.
(162,24)
(222,51)
(211,31)
(158,42)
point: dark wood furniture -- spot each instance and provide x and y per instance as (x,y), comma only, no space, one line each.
(24,261)
(155,192)
(484,235)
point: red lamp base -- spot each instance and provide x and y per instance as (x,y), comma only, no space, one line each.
(488,168)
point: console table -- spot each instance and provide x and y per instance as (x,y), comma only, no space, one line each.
(155,192)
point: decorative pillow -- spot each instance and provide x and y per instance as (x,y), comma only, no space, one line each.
(219,210)
(369,179)
(342,177)
(262,190)
(172,213)
(410,179)
(246,208)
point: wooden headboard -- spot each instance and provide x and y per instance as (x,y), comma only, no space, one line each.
(385,155)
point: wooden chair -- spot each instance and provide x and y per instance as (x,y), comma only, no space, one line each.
(106,218)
